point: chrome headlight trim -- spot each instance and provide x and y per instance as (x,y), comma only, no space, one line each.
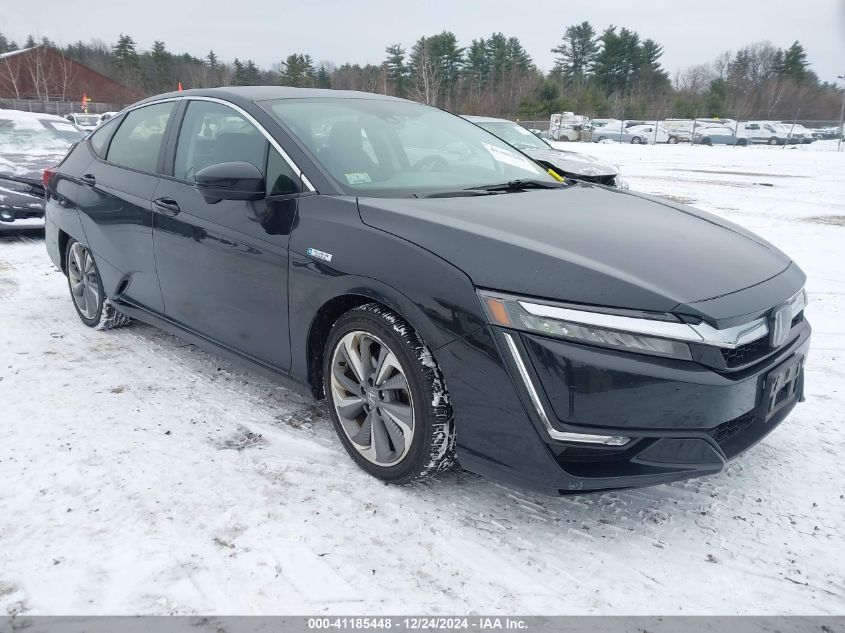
(584,438)
(664,328)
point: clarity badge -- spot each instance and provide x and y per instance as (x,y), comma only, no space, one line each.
(313,252)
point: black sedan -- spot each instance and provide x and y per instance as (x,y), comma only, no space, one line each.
(29,143)
(447,296)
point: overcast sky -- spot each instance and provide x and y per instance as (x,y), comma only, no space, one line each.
(340,31)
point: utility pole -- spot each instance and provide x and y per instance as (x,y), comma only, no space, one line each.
(841,116)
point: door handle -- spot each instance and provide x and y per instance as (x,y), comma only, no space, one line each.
(89,180)
(166,206)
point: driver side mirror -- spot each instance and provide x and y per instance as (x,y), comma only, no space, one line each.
(230,181)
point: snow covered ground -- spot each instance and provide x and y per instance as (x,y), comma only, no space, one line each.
(140,475)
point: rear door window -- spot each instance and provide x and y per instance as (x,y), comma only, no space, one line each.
(138,141)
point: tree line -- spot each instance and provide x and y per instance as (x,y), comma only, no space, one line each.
(615,73)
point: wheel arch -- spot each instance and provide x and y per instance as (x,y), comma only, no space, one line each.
(332,308)
(67,226)
(63,239)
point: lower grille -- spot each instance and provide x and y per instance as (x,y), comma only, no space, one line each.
(747,353)
(730,429)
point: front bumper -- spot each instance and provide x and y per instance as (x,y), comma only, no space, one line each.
(683,419)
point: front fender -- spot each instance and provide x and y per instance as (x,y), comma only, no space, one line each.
(437,299)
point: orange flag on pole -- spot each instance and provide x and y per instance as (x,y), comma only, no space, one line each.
(180,86)
(85,102)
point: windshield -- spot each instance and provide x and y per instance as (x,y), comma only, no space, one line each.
(396,148)
(514,134)
(33,135)
(87,119)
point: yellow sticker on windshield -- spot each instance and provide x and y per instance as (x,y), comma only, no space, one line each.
(358,177)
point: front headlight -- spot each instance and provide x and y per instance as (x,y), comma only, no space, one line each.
(628,333)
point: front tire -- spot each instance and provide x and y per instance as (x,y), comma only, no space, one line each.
(387,398)
(86,290)
(636,140)
(673,140)
(773,141)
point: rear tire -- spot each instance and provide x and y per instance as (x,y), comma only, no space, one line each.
(86,290)
(387,398)
(773,141)
(636,140)
(673,140)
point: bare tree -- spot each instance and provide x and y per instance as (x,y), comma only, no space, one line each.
(9,76)
(694,80)
(426,72)
(50,73)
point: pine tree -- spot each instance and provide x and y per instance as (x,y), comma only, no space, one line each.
(297,70)
(162,66)
(251,75)
(576,53)
(396,70)
(238,67)
(211,60)
(794,65)
(126,58)
(7,45)
(323,78)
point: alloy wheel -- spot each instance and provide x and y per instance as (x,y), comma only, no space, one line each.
(84,282)
(372,398)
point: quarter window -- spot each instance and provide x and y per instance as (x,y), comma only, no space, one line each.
(213,133)
(100,138)
(137,142)
(281,179)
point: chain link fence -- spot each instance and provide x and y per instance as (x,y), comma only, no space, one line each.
(680,130)
(60,108)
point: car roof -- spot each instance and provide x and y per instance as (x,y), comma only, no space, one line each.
(269,93)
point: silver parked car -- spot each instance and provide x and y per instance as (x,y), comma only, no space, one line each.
(718,135)
(564,163)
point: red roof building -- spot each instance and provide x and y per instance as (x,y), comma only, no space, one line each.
(45,74)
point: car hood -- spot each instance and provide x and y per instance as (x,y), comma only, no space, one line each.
(573,163)
(584,244)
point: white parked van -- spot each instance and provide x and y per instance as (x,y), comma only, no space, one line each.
(797,133)
(763,132)
(679,129)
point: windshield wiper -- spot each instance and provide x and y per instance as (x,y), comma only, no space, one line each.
(455,193)
(519,184)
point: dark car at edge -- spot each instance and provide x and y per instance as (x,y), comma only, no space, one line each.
(449,298)
(29,143)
